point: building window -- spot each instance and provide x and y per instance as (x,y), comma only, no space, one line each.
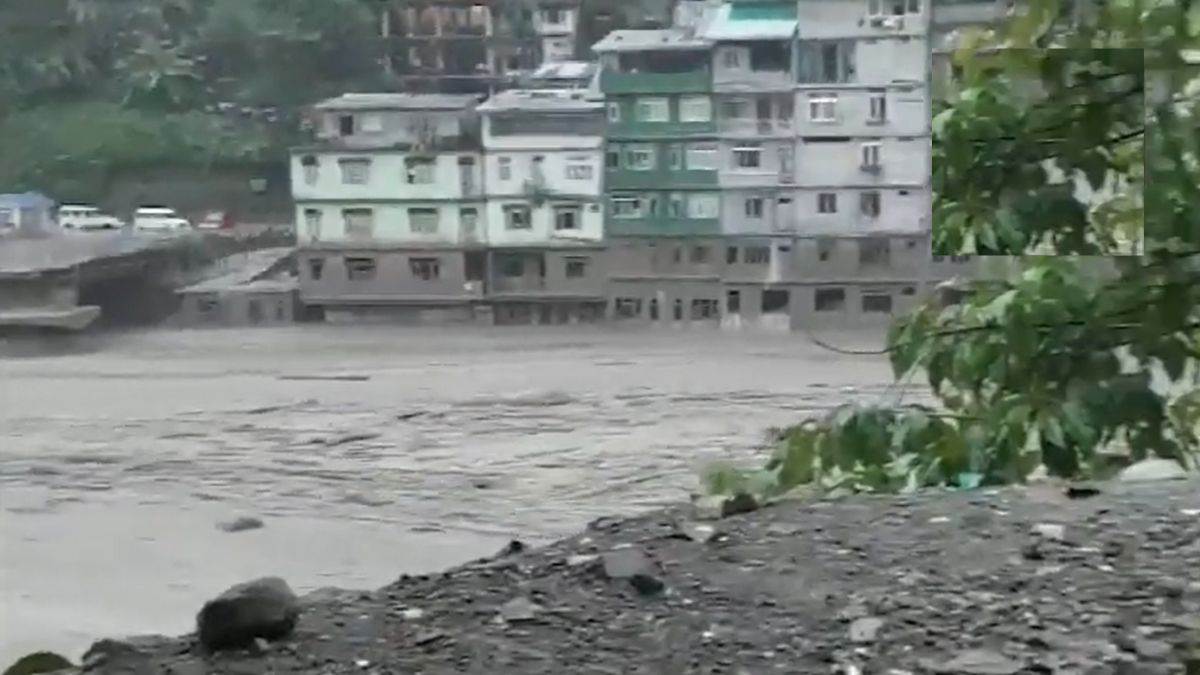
(359,223)
(822,108)
(695,109)
(747,157)
(827,202)
(775,300)
(704,205)
(418,170)
(735,109)
(704,308)
(870,203)
(675,205)
(346,125)
(754,207)
(827,62)
(830,299)
(425,269)
(870,156)
(512,266)
(731,255)
(733,302)
(877,303)
(576,267)
(640,157)
(825,248)
(878,114)
(423,221)
(699,255)
(468,221)
(677,255)
(626,207)
(567,217)
(702,157)
(311,168)
(731,57)
(504,168)
(655,109)
(909,290)
(355,171)
(612,159)
(360,269)
(893,7)
(757,255)
(316,267)
(516,217)
(312,223)
(614,112)
(678,309)
(675,157)
(579,172)
(874,251)
(627,308)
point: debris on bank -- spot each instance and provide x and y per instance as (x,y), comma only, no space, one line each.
(1014,580)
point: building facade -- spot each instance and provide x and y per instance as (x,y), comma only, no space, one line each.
(544,216)
(389,207)
(769,163)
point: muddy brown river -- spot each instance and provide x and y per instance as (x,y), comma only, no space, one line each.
(366,452)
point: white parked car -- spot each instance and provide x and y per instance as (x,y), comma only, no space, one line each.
(83,217)
(159,219)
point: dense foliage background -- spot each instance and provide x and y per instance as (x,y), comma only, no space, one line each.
(87,86)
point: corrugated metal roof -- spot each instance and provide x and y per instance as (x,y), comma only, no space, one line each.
(26,200)
(642,40)
(753,21)
(565,100)
(565,70)
(391,101)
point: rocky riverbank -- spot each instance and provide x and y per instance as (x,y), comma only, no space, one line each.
(1034,579)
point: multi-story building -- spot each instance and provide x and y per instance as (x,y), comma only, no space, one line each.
(556,23)
(770,163)
(389,206)
(459,46)
(544,214)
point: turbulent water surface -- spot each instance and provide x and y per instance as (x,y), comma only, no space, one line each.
(367,452)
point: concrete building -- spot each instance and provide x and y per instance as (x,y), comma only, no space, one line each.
(459,46)
(544,216)
(556,24)
(768,164)
(389,207)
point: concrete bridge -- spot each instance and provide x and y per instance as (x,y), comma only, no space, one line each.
(68,281)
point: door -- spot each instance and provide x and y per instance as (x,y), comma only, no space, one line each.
(466,175)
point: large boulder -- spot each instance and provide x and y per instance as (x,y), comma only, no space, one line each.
(264,608)
(38,662)
(1153,469)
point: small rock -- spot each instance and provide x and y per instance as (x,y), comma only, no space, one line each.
(412,613)
(739,503)
(241,524)
(1082,490)
(520,609)
(647,584)
(1153,469)
(715,507)
(979,662)
(939,519)
(1032,551)
(1050,531)
(512,548)
(698,532)
(582,560)
(428,637)
(264,608)
(626,563)
(865,629)
(38,662)
(852,612)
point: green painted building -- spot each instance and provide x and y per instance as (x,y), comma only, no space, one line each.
(661,151)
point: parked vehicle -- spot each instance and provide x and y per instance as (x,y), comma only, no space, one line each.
(216,220)
(86,217)
(159,219)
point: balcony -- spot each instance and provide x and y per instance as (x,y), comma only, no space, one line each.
(752,81)
(691,81)
(751,127)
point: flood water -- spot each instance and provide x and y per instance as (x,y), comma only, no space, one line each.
(367,451)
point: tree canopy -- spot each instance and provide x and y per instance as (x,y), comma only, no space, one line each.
(1074,363)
